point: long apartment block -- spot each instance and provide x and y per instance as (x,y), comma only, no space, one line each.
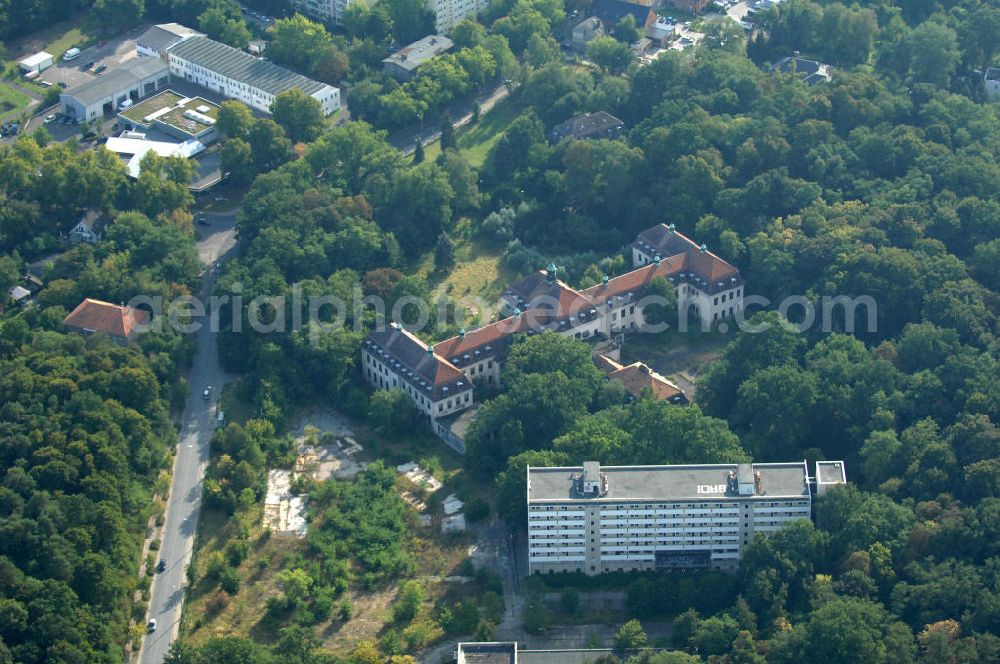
(595,519)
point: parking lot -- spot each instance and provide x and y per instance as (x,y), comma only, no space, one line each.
(110,53)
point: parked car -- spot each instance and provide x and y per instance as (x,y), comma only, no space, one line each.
(204,221)
(100,69)
(62,84)
(151,625)
(207,393)
(161,566)
(49,119)
(71,54)
(87,66)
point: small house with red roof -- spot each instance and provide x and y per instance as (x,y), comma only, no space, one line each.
(96,317)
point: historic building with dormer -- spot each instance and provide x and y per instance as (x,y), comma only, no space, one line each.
(439,378)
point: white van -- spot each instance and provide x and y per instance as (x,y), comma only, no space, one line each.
(71,54)
(125,104)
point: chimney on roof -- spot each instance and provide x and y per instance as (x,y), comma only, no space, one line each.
(430,351)
(461,333)
(656,259)
(672,228)
(604,280)
(517,311)
(550,275)
(704,247)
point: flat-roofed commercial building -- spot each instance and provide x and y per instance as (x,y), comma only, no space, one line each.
(105,94)
(238,75)
(183,118)
(595,519)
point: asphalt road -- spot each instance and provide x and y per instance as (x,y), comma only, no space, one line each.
(197,424)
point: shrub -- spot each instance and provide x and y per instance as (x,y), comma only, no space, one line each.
(229,580)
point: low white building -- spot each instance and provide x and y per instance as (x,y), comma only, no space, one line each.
(36,63)
(238,75)
(133,146)
(595,519)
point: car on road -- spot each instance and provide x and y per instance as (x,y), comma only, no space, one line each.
(151,626)
(207,393)
(62,84)
(49,119)
(161,566)
(101,69)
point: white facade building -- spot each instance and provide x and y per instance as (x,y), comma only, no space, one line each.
(706,284)
(238,75)
(449,13)
(593,520)
(394,359)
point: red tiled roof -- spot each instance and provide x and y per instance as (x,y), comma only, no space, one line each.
(668,243)
(97,316)
(637,279)
(605,363)
(412,352)
(494,335)
(535,290)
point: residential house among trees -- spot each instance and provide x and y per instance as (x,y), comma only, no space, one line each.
(588,127)
(96,317)
(89,228)
(810,71)
(439,378)
(586,31)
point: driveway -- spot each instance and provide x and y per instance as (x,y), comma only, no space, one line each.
(197,425)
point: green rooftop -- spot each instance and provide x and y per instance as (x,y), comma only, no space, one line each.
(164,108)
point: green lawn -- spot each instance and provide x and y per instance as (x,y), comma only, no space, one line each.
(12,102)
(475,141)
